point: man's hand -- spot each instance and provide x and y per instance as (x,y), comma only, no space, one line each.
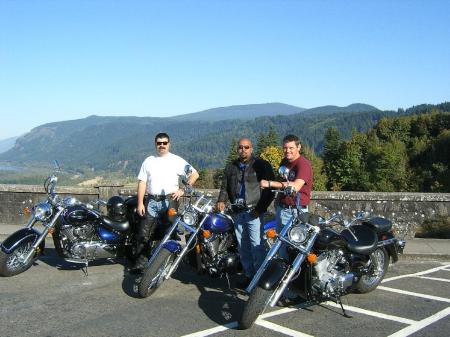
(140,209)
(220,206)
(177,194)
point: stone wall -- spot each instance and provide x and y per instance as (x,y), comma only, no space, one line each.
(407,210)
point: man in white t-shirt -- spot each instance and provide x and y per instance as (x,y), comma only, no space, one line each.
(158,177)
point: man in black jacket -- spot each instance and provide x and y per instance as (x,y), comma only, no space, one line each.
(240,185)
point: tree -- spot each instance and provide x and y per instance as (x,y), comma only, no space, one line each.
(274,155)
(331,156)
(265,140)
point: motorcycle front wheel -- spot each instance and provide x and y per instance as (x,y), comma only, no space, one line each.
(13,263)
(153,276)
(379,263)
(255,306)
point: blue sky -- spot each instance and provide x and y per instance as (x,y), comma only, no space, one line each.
(62,60)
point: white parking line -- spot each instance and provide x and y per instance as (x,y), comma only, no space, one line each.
(410,293)
(409,330)
(212,331)
(281,329)
(373,313)
(429,271)
(433,278)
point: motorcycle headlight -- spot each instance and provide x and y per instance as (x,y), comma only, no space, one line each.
(297,234)
(189,218)
(42,211)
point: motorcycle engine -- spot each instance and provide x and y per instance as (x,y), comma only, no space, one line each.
(331,277)
(217,257)
(83,243)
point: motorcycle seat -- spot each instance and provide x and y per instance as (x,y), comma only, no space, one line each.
(119,226)
(366,241)
(379,224)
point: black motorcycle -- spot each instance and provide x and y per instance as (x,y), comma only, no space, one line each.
(320,262)
(210,244)
(80,232)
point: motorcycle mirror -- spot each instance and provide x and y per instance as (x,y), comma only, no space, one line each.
(56,165)
(283,171)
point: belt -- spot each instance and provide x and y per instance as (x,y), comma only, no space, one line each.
(158,197)
(293,206)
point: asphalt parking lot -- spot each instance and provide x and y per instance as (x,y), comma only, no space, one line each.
(55,298)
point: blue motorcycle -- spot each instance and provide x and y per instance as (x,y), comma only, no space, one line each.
(80,232)
(210,244)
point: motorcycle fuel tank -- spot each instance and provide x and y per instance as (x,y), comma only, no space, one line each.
(218,223)
(78,215)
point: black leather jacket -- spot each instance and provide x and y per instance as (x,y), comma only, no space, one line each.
(256,170)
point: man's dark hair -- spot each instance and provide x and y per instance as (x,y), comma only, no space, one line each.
(291,138)
(162,135)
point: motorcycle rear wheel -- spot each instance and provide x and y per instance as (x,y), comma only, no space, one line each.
(153,276)
(12,264)
(378,269)
(256,304)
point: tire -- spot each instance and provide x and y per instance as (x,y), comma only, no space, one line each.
(154,275)
(255,306)
(11,264)
(378,269)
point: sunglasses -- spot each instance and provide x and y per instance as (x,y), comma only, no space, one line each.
(241,147)
(162,143)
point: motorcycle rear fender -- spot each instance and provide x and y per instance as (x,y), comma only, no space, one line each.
(172,246)
(273,274)
(390,248)
(22,235)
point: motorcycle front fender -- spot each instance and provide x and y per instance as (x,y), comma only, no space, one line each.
(273,274)
(172,246)
(22,235)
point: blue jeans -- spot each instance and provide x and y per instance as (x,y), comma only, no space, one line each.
(155,207)
(249,234)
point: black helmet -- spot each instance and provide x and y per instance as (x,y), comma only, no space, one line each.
(116,208)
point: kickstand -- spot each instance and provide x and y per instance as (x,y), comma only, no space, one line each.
(342,307)
(228,281)
(84,268)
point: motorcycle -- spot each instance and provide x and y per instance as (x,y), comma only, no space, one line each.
(210,246)
(322,263)
(80,232)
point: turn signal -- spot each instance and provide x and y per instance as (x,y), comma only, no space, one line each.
(271,233)
(198,249)
(312,258)
(26,211)
(171,212)
(206,234)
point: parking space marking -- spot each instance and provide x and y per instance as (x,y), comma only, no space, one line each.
(412,325)
(421,324)
(433,278)
(372,313)
(410,293)
(420,273)
(281,329)
(214,330)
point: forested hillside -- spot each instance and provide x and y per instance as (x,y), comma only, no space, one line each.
(409,153)
(354,157)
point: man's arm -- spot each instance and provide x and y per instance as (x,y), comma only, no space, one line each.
(265,173)
(141,188)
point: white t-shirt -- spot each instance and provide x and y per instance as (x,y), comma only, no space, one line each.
(162,173)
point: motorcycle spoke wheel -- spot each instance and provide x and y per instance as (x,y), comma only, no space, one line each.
(256,304)
(154,275)
(379,263)
(13,263)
